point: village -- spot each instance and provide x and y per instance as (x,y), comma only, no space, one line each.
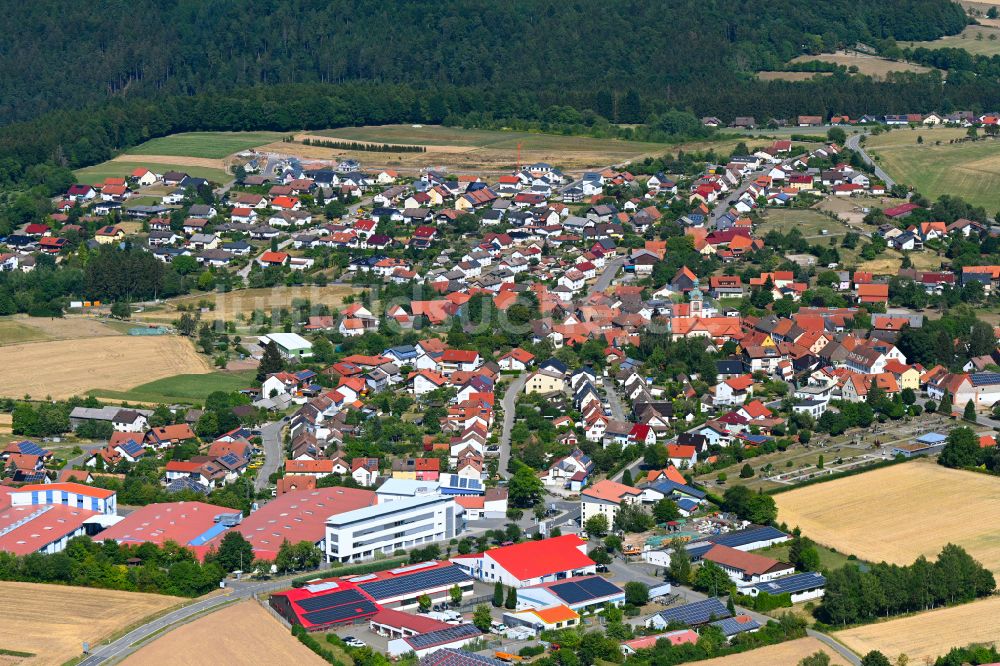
(547,401)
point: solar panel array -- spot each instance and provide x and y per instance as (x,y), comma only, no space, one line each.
(31,449)
(743,537)
(730,627)
(230,460)
(984,378)
(131,448)
(579,591)
(442,636)
(335,598)
(341,613)
(422,580)
(453,657)
(698,612)
(794,583)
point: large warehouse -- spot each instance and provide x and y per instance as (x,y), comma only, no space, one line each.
(530,562)
(402,587)
(325,604)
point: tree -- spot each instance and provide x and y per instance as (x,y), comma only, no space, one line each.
(627,478)
(969,413)
(711,579)
(121,310)
(731,605)
(270,362)
(875,658)
(596,525)
(600,556)
(456,595)
(945,406)
(511,602)
(424,601)
(636,593)
(961,449)
(818,658)
(525,488)
(234,553)
(632,518)
(679,568)
(746,471)
(836,135)
(498,594)
(482,618)
(665,510)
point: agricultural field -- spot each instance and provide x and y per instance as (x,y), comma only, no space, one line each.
(242,633)
(782,654)
(205,144)
(232,305)
(181,388)
(123,165)
(976,39)
(53,621)
(810,222)
(925,636)
(789,76)
(970,170)
(19,329)
(866,64)
(485,149)
(64,368)
(898,513)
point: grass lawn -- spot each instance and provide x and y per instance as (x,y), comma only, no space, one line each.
(970,170)
(967,39)
(809,222)
(13,332)
(181,388)
(205,144)
(829,559)
(119,168)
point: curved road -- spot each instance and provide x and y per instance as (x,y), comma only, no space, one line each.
(854,143)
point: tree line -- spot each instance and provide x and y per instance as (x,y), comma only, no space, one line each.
(855,596)
(364,147)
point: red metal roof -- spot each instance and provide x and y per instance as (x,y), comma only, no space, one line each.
(533,559)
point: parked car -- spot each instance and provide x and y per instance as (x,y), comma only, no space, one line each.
(354,642)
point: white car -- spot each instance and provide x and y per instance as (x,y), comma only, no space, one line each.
(354,642)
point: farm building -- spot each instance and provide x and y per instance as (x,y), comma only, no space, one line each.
(322,605)
(403,586)
(746,569)
(397,624)
(531,562)
(291,345)
(800,586)
(752,538)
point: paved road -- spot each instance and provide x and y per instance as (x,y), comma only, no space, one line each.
(270,436)
(126,644)
(835,645)
(509,400)
(722,206)
(245,271)
(854,143)
(614,400)
(607,275)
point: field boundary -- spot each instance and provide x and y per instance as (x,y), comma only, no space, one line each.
(843,475)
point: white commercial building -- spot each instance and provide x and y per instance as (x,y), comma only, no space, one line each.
(406,522)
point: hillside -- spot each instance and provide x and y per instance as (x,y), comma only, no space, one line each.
(143,47)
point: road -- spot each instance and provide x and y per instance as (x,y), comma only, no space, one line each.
(125,645)
(722,207)
(607,275)
(854,143)
(509,405)
(835,645)
(614,400)
(270,436)
(245,271)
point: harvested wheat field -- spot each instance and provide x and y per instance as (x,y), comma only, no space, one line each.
(174,160)
(898,513)
(243,633)
(64,368)
(53,621)
(233,304)
(928,635)
(6,421)
(782,654)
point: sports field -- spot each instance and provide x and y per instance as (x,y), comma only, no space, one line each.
(53,621)
(242,633)
(788,653)
(976,39)
(125,164)
(485,149)
(928,635)
(897,513)
(181,388)
(205,144)
(970,170)
(64,368)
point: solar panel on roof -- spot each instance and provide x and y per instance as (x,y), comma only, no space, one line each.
(598,587)
(31,449)
(413,567)
(698,612)
(424,580)
(338,598)
(340,613)
(433,638)
(794,583)
(585,589)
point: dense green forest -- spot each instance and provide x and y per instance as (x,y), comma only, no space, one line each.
(136,47)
